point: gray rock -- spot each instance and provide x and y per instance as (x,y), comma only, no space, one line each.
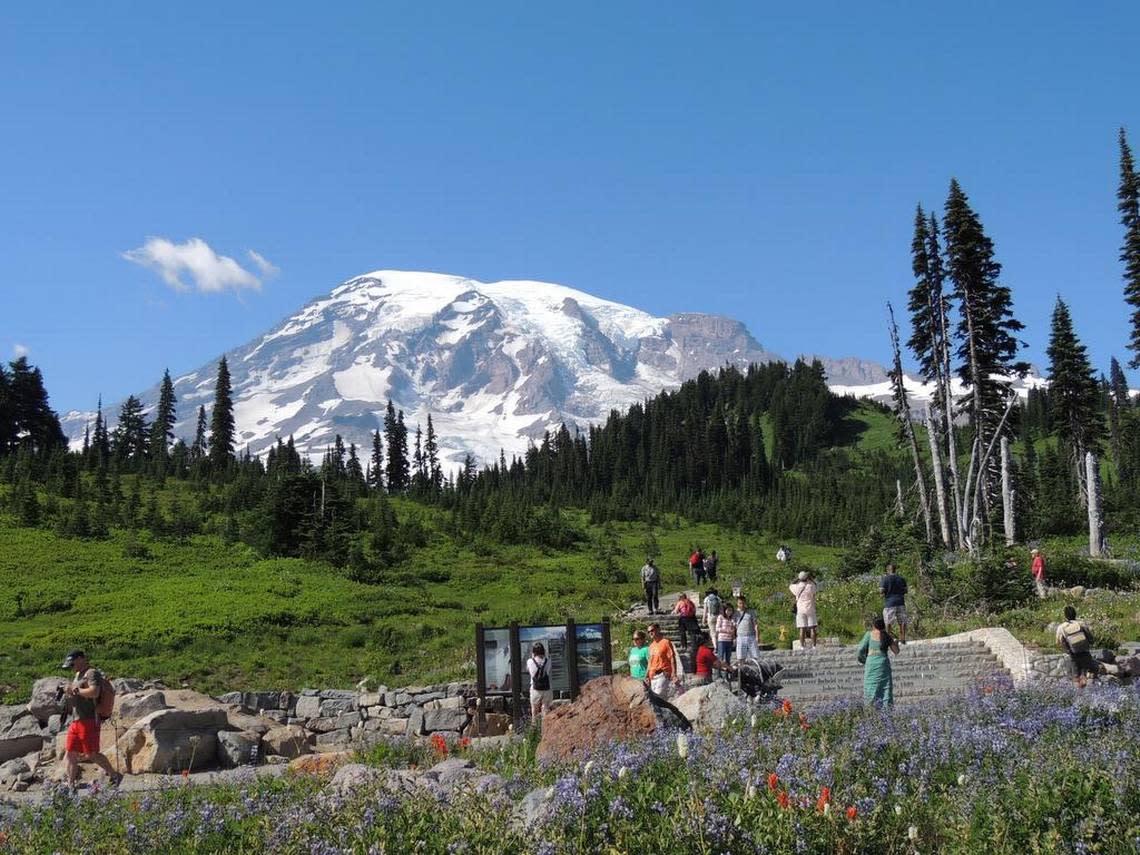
(712,706)
(353,777)
(45,701)
(230,698)
(444,719)
(370,699)
(308,706)
(336,706)
(416,722)
(258,701)
(395,727)
(453,702)
(172,740)
(390,699)
(278,716)
(16,770)
(427,697)
(131,707)
(126,685)
(401,699)
(238,748)
(534,807)
(55,724)
(451,771)
(287,742)
(310,693)
(485,743)
(334,722)
(335,740)
(487,783)
(343,694)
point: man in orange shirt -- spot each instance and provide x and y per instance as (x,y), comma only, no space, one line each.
(662,671)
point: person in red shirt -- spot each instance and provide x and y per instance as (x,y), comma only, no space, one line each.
(706,661)
(686,610)
(1038,571)
(697,566)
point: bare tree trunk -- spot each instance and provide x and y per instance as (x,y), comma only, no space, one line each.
(902,412)
(1096,533)
(1008,521)
(900,508)
(939,484)
(947,405)
(975,482)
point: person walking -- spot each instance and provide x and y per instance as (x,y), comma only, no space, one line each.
(662,671)
(747,641)
(1075,638)
(541,695)
(893,588)
(651,582)
(711,605)
(686,611)
(639,656)
(874,655)
(82,700)
(804,592)
(1037,568)
(712,564)
(705,661)
(697,566)
(725,633)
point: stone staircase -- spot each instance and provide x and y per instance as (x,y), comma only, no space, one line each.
(922,670)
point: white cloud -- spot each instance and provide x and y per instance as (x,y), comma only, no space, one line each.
(268,268)
(19,350)
(194,265)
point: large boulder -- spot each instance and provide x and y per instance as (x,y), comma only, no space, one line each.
(131,707)
(610,709)
(23,736)
(289,741)
(238,748)
(711,707)
(45,700)
(172,740)
(320,765)
(444,719)
(354,777)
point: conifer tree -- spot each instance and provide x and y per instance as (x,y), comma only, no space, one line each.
(376,468)
(30,419)
(221,446)
(353,472)
(131,436)
(198,449)
(431,455)
(396,439)
(100,439)
(1128,203)
(162,428)
(419,468)
(1073,389)
(7,413)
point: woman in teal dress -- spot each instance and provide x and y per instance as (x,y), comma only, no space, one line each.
(874,656)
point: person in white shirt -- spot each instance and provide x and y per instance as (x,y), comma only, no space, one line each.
(747,642)
(541,695)
(803,591)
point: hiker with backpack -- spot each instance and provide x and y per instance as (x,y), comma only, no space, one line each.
(90,699)
(712,564)
(1075,638)
(697,566)
(541,695)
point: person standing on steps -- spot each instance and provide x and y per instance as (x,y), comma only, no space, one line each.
(651,581)
(874,655)
(747,641)
(712,563)
(893,588)
(711,605)
(697,566)
(803,593)
(541,695)
(82,699)
(1075,638)
(725,633)
(1037,568)
(686,611)
(663,679)
(639,656)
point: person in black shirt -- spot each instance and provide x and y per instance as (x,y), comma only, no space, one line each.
(893,588)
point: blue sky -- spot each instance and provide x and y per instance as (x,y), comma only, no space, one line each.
(763,163)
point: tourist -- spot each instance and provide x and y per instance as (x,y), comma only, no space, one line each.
(711,606)
(541,695)
(705,661)
(803,593)
(711,565)
(747,643)
(686,611)
(1075,638)
(639,656)
(697,566)
(783,554)
(1037,568)
(874,656)
(82,699)
(725,633)
(893,588)
(651,581)
(662,671)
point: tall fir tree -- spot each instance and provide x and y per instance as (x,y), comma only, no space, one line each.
(1073,389)
(1128,203)
(221,445)
(100,439)
(376,467)
(31,422)
(162,428)
(431,456)
(396,440)
(198,449)
(131,436)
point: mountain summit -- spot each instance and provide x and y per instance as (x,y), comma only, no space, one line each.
(495,363)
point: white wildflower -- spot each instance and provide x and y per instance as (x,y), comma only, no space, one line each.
(912,833)
(623,773)
(962,779)
(587,768)
(898,810)
(683,746)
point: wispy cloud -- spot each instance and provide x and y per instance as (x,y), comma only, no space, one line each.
(19,350)
(193,265)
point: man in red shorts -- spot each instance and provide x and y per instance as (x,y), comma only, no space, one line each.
(83,731)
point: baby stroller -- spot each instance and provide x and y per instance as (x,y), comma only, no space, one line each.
(757,678)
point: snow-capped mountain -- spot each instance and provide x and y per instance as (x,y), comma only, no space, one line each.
(495,364)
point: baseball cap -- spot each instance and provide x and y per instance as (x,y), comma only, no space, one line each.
(70,658)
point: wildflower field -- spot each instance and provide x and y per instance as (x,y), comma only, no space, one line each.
(998,770)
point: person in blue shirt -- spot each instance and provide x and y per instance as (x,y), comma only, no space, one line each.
(893,588)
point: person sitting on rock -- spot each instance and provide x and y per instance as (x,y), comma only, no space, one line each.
(1075,638)
(82,697)
(686,610)
(663,678)
(705,661)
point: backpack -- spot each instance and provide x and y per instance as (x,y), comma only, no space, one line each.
(105,700)
(541,681)
(1075,636)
